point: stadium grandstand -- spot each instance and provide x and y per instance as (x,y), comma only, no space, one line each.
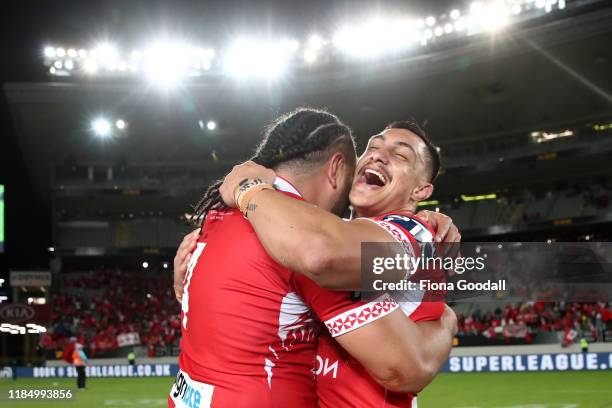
(115,119)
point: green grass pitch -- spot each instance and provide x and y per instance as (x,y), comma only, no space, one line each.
(481,390)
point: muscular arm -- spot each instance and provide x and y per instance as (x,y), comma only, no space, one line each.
(321,245)
(399,354)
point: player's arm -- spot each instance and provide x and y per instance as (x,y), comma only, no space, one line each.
(401,355)
(302,236)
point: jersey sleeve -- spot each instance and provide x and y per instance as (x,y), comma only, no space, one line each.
(338,310)
(415,236)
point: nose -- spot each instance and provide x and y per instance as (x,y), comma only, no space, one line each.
(380,155)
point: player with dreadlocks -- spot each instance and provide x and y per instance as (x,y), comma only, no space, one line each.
(248,335)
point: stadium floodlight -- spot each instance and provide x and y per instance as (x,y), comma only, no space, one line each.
(105,52)
(72,53)
(68,64)
(145,264)
(101,127)
(375,37)
(58,64)
(438,31)
(60,52)
(50,52)
(257,58)
(120,123)
(211,125)
(166,64)
(455,14)
(201,124)
(315,42)
(310,56)
(430,21)
(448,28)
(165,265)
(52,71)
(82,53)
(90,66)
(491,17)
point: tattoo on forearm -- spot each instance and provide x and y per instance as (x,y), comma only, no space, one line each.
(251,207)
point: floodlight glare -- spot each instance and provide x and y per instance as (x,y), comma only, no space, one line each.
(455,14)
(250,57)
(211,125)
(310,56)
(90,66)
(430,21)
(146,265)
(60,52)
(58,64)
(69,64)
(166,64)
(49,52)
(101,127)
(120,123)
(72,53)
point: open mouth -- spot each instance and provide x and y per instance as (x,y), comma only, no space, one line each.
(374,178)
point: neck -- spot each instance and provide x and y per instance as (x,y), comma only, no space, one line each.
(305,184)
(368,212)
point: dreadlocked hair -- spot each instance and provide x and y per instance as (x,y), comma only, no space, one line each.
(305,137)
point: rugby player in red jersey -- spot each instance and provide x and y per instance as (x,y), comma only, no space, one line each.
(248,335)
(393,175)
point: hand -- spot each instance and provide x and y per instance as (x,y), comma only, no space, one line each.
(247,170)
(181,260)
(447,233)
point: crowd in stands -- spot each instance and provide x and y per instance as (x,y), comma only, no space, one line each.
(97,307)
(524,320)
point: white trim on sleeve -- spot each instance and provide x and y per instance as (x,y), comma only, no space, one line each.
(360,316)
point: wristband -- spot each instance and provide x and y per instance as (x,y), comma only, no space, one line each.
(247,191)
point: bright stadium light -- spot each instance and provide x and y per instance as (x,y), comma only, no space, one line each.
(310,56)
(49,52)
(60,52)
(493,17)
(166,64)
(90,66)
(145,265)
(211,125)
(72,53)
(120,123)
(315,42)
(430,21)
(101,127)
(250,57)
(69,65)
(82,53)
(455,14)
(58,64)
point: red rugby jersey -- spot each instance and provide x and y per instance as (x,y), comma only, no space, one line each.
(341,380)
(248,334)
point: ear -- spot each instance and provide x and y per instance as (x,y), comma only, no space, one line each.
(422,192)
(334,169)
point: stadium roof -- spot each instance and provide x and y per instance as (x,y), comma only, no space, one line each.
(528,79)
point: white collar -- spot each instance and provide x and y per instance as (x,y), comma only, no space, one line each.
(283,185)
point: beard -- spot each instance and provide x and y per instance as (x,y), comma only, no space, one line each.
(341,206)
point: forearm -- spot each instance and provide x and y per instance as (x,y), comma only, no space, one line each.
(306,239)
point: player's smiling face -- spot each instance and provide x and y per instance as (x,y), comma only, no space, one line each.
(391,174)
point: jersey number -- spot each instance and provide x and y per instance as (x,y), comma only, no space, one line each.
(190,267)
